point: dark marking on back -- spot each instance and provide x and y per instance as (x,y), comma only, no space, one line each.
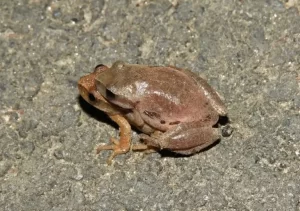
(162,122)
(135,104)
(207,118)
(152,114)
(174,123)
(110,95)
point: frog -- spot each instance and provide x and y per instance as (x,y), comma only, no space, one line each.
(173,108)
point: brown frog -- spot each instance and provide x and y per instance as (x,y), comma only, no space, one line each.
(173,108)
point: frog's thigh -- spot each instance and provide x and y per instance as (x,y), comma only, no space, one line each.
(186,139)
(212,95)
(202,145)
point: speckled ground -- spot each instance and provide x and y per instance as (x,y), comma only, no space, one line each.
(248,50)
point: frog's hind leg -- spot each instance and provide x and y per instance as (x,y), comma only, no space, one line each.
(143,148)
(185,138)
(213,96)
(194,150)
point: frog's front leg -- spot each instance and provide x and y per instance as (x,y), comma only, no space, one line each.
(185,138)
(122,145)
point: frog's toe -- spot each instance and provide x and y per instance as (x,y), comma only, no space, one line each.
(104,147)
(118,148)
(114,141)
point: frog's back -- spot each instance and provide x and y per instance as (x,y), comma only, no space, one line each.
(136,81)
(168,93)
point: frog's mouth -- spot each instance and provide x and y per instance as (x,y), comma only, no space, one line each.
(86,85)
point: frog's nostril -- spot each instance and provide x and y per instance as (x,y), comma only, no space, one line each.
(92,97)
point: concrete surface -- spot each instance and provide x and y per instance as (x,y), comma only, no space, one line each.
(248,50)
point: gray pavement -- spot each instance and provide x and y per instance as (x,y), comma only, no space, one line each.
(247,50)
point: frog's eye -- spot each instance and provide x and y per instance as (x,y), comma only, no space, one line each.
(100,68)
(118,65)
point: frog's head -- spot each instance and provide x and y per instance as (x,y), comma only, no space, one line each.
(88,90)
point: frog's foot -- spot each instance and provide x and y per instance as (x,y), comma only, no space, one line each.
(118,148)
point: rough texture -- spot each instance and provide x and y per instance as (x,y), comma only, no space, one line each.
(248,50)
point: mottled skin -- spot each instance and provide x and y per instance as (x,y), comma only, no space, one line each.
(174,108)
